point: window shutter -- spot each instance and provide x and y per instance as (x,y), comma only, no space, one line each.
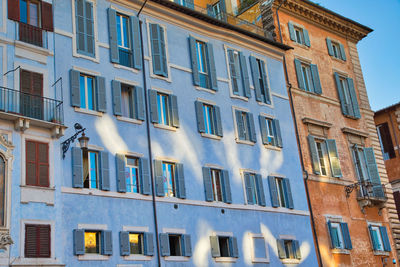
(341,94)
(193,57)
(163,52)
(189,4)
(75,89)
(281,248)
(144,176)
(120,167)
(240,125)
(234,72)
(180,180)
(296,249)
(148,244)
(43,164)
(30,249)
(314,154)
(104,171)
(156,48)
(245,75)
(47,16)
(256,77)
(333,157)
(265,82)
(31,163)
(153,105)
(329,45)
(139,97)
(106,246)
(346,235)
(136,44)
(218,122)
(80,26)
(263,129)
(291,31)
(210,11)
(200,117)
(211,64)
(158,172)
(373,172)
(124,243)
(79,242)
(273,191)
(116,97)
(288,193)
(306,38)
(299,73)
(208,187)
(187,246)
(374,241)
(334,239)
(112,31)
(77,167)
(353,97)
(215,252)
(342,52)
(13,9)
(226,187)
(233,247)
(44,241)
(260,190)
(249,188)
(316,80)
(277,132)
(174,110)
(385,238)
(101,94)
(164,244)
(89,28)
(253,137)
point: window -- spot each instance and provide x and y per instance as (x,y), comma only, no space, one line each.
(270,131)
(85,40)
(347,96)
(308,77)
(32,104)
(170,181)
(280,191)
(254,189)
(298,34)
(29,12)
(217,10)
(127,103)
(324,156)
(87,92)
(132,174)
(245,126)
(339,234)
(203,65)
(37,241)
(385,140)
(288,249)
(259,249)
(308,81)
(240,82)
(164,109)
(217,185)
(90,169)
(158,50)
(260,80)
(128,100)
(379,238)
(136,243)
(94,242)
(124,44)
(208,119)
(37,163)
(336,49)
(224,246)
(175,245)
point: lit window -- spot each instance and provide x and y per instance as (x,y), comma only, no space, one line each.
(90,169)
(288,249)
(92,242)
(87,92)
(322,155)
(132,175)
(136,243)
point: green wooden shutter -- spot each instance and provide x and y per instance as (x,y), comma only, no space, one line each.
(245,75)
(252,128)
(104,171)
(208,186)
(226,185)
(211,64)
(375,245)
(77,167)
(89,28)
(329,45)
(101,94)
(341,94)
(273,191)
(75,88)
(174,110)
(296,249)
(200,116)
(193,57)
(164,63)
(353,96)
(215,252)
(256,77)
(342,52)
(234,251)
(280,243)
(373,172)
(314,154)
(148,240)
(218,121)
(153,105)
(139,101)
(385,238)
(112,31)
(106,242)
(334,238)
(333,158)
(240,125)
(144,176)
(120,169)
(306,38)
(164,244)
(291,31)
(316,80)
(136,44)
(346,235)
(80,26)
(116,97)
(265,82)
(277,133)
(180,180)
(299,74)
(288,193)
(187,246)
(249,188)
(260,190)
(158,173)
(263,129)
(235,79)
(156,48)
(79,241)
(124,243)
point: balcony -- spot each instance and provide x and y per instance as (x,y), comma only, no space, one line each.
(369,194)
(32,35)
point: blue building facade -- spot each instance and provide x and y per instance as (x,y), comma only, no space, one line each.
(192,158)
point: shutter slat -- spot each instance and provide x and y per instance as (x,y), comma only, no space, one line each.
(215,252)
(79,242)
(139,98)
(334,238)
(101,94)
(120,169)
(316,80)
(277,132)
(256,77)
(252,128)
(104,171)
(306,38)
(353,96)
(341,94)
(329,45)
(249,188)
(374,241)
(153,105)
(193,57)
(226,187)
(155,48)
(342,52)
(144,176)
(218,122)
(280,243)
(200,116)
(263,129)
(234,247)
(260,190)
(373,172)
(208,187)
(187,246)
(44,241)
(273,191)
(385,238)
(174,110)
(245,75)
(240,125)
(291,31)
(164,244)
(233,72)
(334,157)
(211,64)
(113,37)
(158,173)
(116,97)
(180,180)
(137,46)
(106,246)
(47,16)
(346,235)
(288,193)
(75,89)
(296,249)
(31,250)
(264,78)
(149,244)
(299,72)
(77,167)
(13,9)
(314,154)
(124,243)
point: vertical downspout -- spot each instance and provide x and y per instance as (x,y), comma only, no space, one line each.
(149,138)
(298,141)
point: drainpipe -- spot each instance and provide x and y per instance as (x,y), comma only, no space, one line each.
(149,138)
(298,141)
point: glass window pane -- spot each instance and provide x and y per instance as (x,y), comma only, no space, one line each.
(92,242)
(33,14)
(93,169)
(259,248)
(125,103)
(125,42)
(90,93)
(119,29)
(23,11)
(135,242)
(82,90)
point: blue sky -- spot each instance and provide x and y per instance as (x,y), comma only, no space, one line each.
(380,51)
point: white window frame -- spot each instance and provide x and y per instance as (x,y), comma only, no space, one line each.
(301,34)
(202,69)
(120,15)
(281,193)
(253,236)
(86,76)
(93,257)
(376,228)
(97,169)
(170,178)
(307,77)
(340,234)
(213,177)
(130,172)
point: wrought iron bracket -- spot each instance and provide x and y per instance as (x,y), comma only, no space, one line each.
(65,145)
(349,188)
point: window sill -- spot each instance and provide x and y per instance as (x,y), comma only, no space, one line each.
(137,258)
(88,111)
(176,258)
(211,136)
(77,54)
(340,251)
(273,147)
(300,45)
(118,66)
(240,97)
(155,76)
(165,127)
(266,104)
(245,142)
(130,120)
(93,257)
(37,262)
(381,253)
(208,90)
(290,261)
(260,260)
(338,59)
(225,259)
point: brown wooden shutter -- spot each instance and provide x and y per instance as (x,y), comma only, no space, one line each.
(44,241)
(30,241)
(37,84)
(25,81)
(47,17)
(37,241)
(31,168)
(43,164)
(13,10)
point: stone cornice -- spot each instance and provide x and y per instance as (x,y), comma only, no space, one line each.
(324,18)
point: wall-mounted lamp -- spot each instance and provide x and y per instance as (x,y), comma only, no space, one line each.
(83,140)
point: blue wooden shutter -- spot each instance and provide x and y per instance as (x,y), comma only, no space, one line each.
(296,249)
(273,191)
(316,80)
(260,190)
(124,243)
(373,172)
(256,77)
(106,244)
(252,128)
(215,252)
(189,4)
(277,133)
(77,167)
(249,188)
(193,57)
(234,251)
(163,52)
(101,94)
(158,173)
(263,129)
(174,110)
(200,116)
(187,246)
(89,28)
(346,236)
(75,88)
(240,125)
(385,238)
(210,10)
(288,193)
(334,238)
(139,98)
(148,240)
(314,154)
(329,45)
(112,31)
(156,49)
(164,244)
(291,31)
(333,157)
(265,82)
(116,97)
(306,38)
(79,242)
(353,96)
(342,52)
(208,186)
(245,75)
(341,94)
(299,73)
(222,6)
(180,180)
(211,64)
(80,26)
(144,176)
(280,243)
(104,171)
(136,44)
(153,105)
(235,79)
(218,122)
(226,192)
(120,169)
(375,245)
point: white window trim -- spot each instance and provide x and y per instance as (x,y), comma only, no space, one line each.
(252,236)
(136,229)
(93,257)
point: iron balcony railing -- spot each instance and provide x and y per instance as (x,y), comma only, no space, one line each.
(366,189)
(30,34)
(31,106)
